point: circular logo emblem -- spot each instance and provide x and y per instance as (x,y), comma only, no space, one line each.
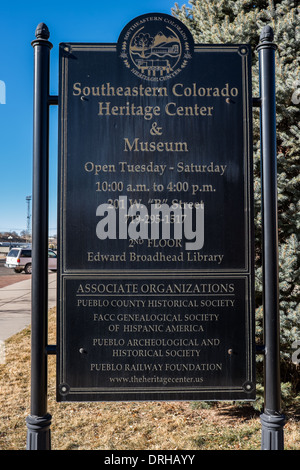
(155,47)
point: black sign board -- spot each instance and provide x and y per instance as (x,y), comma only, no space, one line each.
(156,281)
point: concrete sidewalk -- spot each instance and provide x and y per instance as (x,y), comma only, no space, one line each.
(15,305)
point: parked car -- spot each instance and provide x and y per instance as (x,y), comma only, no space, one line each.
(19,259)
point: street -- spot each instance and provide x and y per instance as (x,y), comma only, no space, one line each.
(8,276)
(15,300)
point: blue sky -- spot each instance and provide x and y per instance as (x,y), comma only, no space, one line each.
(68,21)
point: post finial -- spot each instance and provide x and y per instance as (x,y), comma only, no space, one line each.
(266,39)
(267,34)
(42,31)
(42,35)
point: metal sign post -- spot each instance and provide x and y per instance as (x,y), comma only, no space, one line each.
(38,423)
(272,420)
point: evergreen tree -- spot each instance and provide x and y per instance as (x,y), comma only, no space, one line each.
(241,21)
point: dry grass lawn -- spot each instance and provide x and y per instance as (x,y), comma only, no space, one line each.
(123,426)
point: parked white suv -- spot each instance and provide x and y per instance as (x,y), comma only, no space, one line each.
(20,260)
